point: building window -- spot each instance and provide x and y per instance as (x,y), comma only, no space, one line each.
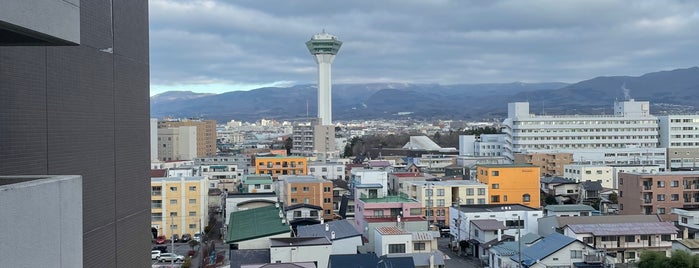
(419,246)
(267,186)
(312,169)
(661,211)
(428,192)
(192,188)
(469,201)
(661,184)
(526,198)
(306,200)
(326,189)
(504,198)
(469,191)
(327,200)
(630,238)
(675,184)
(193,226)
(396,248)
(324,169)
(293,189)
(496,186)
(328,212)
(576,254)
(174,189)
(481,191)
(674,197)
(173,201)
(495,173)
(305,188)
(173,214)
(661,197)
(475,232)
(297,214)
(174,226)
(192,201)
(588,240)
(481,201)
(314,213)
(440,192)
(294,200)
(192,213)
(665,237)
(495,199)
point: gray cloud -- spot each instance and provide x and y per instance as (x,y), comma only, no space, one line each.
(231,43)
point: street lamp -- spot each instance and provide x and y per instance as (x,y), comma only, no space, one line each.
(172,239)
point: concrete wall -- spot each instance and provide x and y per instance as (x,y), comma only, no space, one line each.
(84,110)
(319,254)
(53,22)
(41,222)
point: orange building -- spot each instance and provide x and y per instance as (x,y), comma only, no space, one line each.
(309,190)
(281,165)
(511,184)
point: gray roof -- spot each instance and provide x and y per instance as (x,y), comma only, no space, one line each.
(591,185)
(248,256)
(368,185)
(563,221)
(298,241)
(635,228)
(571,207)
(556,180)
(302,205)
(543,248)
(422,258)
(342,228)
(489,225)
(425,235)
(494,208)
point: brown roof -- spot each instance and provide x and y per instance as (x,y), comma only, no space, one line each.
(563,221)
(690,243)
(488,225)
(391,230)
(158,173)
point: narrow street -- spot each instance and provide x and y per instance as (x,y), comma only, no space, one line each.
(453,259)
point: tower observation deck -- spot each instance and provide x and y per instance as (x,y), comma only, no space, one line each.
(324,47)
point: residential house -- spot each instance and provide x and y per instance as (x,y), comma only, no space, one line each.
(342,234)
(303,214)
(257,184)
(425,241)
(550,224)
(688,222)
(571,210)
(627,239)
(253,228)
(392,239)
(300,249)
(499,252)
(557,250)
(482,231)
(590,192)
(343,200)
(558,186)
(308,190)
(236,202)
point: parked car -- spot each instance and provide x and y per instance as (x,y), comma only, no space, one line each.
(168,257)
(175,238)
(197,236)
(185,238)
(155,254)
(161,239)
(163,249)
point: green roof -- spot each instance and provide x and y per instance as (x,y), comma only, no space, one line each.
(255,223)
(389,199)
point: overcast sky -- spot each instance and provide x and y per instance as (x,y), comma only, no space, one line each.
(219,46)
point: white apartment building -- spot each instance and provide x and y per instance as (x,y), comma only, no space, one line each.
(230,136)
(177,143)
(370,176)
(680,135)
(582,172)
(485,145)
(327,170)
(629,136)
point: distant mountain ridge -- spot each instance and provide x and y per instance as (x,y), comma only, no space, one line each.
(668,91)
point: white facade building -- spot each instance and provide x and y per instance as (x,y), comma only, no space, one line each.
(629,136)
(370,176)
(300,249)
(327,170)
(581,172)
(680,135)
(391,239)
(511,215)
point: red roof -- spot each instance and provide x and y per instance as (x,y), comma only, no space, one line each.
(408,174)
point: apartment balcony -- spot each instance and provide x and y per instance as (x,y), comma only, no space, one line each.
(647,188)
(156,193)
(647,201)
(593,258)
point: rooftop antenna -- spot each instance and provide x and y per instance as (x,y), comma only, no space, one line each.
(306,108)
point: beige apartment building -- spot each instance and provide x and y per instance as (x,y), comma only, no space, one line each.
(179,205)
(206,134)
(550,164)
(437,196)
(659,193)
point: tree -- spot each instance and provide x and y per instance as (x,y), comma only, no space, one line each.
(288,144)
(614,198)
(348,151)
(550,200)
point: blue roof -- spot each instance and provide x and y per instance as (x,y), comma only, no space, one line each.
(543,248)
(368,260)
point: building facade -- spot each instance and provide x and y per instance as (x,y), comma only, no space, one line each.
(550,164)
(206,134)
(578,173)
(91,98)
(281,165)
(680,135)
(649,194)
(179,205)
(177,143)
(511,184)
(621,138)
(437,196)
(309,190)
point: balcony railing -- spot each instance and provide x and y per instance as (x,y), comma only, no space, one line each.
(593,258)
(156,193)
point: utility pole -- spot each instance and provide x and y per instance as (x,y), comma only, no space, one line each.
(172,239)
(519,243)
